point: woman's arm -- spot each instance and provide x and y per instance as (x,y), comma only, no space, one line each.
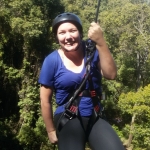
(107,64)
(47,113)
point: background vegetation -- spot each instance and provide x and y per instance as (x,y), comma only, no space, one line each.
(26,39)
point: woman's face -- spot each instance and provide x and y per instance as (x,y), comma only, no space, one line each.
(68,36)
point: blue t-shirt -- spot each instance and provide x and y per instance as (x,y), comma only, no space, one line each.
(54,74)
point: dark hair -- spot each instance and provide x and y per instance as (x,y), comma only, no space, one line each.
(67,17)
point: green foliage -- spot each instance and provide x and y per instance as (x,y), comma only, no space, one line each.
(138,103)
(141,137)
(86,9)
(26,39)
(41,135)
(135,102)
(8,128)
(127,36)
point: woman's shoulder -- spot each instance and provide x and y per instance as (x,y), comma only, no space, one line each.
(53,54)
(52,57)
(53,60)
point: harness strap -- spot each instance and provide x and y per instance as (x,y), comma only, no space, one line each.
(95,99)
(72,111)
(68,114)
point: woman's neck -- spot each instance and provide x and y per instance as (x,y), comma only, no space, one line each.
(73,57)
(78,54)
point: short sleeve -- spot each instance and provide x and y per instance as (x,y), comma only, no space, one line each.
(48,70)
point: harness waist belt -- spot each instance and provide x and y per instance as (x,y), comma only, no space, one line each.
(85,93)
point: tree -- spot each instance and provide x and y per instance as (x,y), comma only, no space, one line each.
(137,104)
(25,40)
(129,40)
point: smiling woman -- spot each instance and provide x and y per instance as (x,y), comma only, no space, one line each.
(62,72)
(71,47)
(69,37)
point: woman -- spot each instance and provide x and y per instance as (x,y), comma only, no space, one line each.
(62,73)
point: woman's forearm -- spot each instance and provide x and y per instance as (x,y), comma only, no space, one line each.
(47,115)
(46,107)
(107,64)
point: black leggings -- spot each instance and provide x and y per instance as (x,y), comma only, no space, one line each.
(75,134)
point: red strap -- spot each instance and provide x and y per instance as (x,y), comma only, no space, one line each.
(73,108)
(93,93)
(96,108)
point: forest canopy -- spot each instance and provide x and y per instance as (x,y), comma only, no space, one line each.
(26,39)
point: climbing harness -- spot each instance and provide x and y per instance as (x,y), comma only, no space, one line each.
(71,107)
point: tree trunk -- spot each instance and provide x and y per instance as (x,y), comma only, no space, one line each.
(131,131)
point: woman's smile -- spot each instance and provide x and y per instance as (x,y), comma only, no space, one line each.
(68,36)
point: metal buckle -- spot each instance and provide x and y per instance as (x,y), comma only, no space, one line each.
(69,114)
